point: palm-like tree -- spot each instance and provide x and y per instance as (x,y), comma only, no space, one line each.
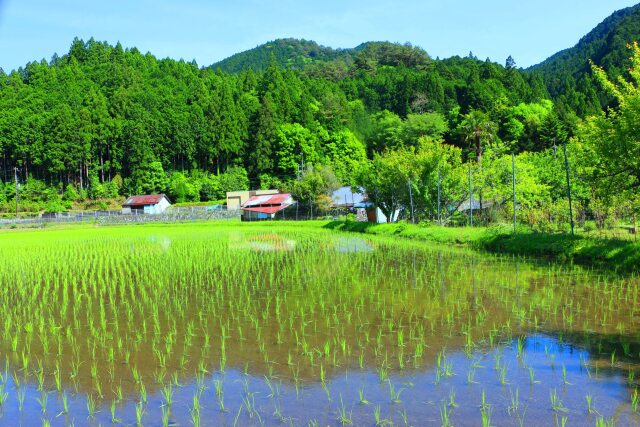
(477,129)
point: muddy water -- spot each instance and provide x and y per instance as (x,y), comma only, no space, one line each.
(247,327)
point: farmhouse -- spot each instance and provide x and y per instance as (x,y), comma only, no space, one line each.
(146,204)
(265,207)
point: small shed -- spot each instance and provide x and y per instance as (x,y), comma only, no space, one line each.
(475,205)
(374,214)
(265,207)
(146,204)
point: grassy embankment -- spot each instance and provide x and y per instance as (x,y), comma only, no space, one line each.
(613,254)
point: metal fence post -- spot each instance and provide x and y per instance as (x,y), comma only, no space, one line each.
(411,201)
(439,181)
(470,198)
(513,167)
(566,167)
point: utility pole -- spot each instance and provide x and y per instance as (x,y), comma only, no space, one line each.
(513,166)
(566,167)
(470,198)
(439,179)
(15,175)
(411,200)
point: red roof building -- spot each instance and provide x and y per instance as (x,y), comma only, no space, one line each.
(148,204)
(265,207)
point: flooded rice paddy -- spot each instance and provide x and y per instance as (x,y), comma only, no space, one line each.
(258,325)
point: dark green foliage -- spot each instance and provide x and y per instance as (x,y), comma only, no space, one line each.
(103,121)
(567,74)
(290,53)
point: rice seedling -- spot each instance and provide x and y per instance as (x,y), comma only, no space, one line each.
(556,403)
(605,422)
(444,416)
(361,398)
(590,408)
(112,411)
(532,379)
(452,399)
(20,394)
(140,411)
(344,417)
(393,394)
(43,401)
(195,410)
(485,411)
(91,406)
(114,316)
(3,394)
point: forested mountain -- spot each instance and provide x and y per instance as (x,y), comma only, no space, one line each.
(100,111)
(104,120)
(567,74)
(288,53)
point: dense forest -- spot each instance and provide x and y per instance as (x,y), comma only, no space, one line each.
(102,121)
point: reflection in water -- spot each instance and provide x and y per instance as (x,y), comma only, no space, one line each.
(264,242)
(304,326)
(353,245)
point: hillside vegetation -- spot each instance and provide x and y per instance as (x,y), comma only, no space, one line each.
(102,122)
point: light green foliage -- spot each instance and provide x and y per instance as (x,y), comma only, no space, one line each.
(70,193)
(96,189)
(234,179)
(182,189)
(345,153)
(530,190)
(210,188)
(384,180)
(428,125)
(294,143)
(387,131)
(148,179)
(431,157)
(390,131)
(314,187)
(611,142)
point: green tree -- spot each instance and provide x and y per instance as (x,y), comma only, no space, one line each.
(611,141)
(384,180)
(344,152)
(315,186)
(234,178)
(477,129)
(149,179)
(428,125)
(295,143)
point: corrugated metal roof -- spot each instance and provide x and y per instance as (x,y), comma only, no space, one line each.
(150,199)
(267,209)
(268,200)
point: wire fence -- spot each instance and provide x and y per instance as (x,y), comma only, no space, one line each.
(554,218)
(181,214)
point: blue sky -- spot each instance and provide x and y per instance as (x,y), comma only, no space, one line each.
(209,31)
